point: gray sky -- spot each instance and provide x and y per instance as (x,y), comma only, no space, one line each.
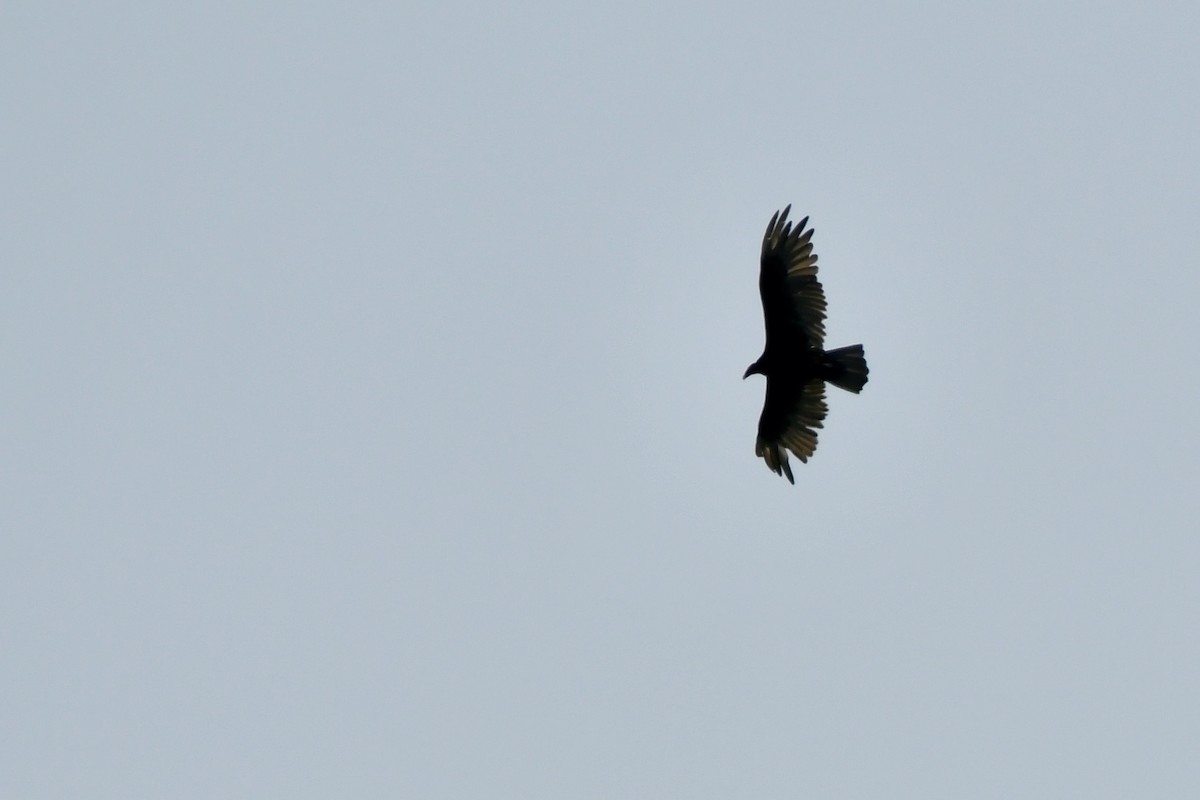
(373,422)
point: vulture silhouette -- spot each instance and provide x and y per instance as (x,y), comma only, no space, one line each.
(794,359)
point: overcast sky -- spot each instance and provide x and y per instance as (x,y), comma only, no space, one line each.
(373,423)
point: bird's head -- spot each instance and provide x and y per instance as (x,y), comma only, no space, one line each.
(754,369)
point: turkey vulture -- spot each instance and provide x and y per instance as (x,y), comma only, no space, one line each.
(794,360)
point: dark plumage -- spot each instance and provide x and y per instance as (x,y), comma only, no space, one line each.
(794,359)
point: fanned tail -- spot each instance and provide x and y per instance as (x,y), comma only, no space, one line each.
(846,368)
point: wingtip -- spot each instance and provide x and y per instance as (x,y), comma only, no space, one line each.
(776,458)
(782,215)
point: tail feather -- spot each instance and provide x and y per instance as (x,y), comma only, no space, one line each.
(846,368)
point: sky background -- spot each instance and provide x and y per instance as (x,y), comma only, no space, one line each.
(373,422)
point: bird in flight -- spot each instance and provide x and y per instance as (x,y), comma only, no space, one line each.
(794,360)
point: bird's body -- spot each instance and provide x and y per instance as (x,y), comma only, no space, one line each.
(794,360)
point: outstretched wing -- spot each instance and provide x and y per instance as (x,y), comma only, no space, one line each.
(792,297)
(791,415)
